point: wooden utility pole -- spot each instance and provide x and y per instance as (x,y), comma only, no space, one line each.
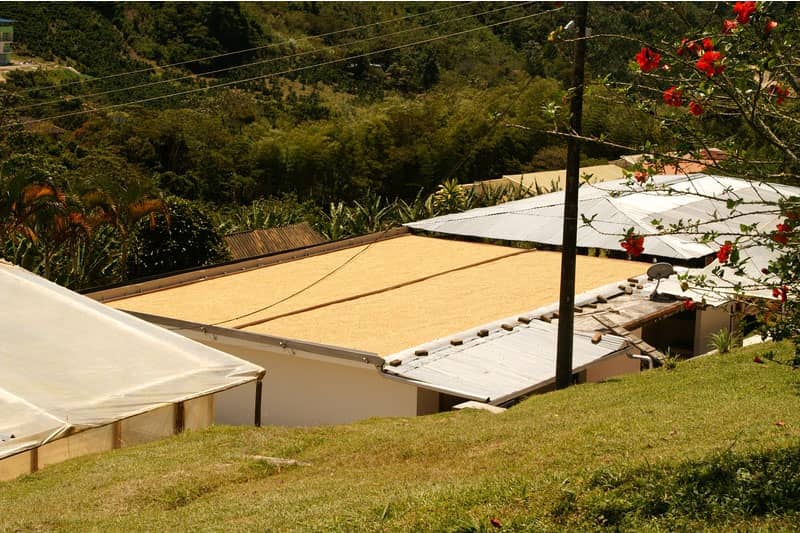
(566,308)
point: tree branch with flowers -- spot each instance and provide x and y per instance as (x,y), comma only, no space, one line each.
(726,95)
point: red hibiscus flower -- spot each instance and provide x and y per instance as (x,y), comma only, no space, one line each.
(781,292)
(729,25)
(633,244)
(769,26)
(672,97)
(781,236)
(711,63)
(689,305)
(779,92)
(695,109)
(743,11)
(640,176)
(724,252)
(647,59)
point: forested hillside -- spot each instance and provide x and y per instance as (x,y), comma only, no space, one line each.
(294,106)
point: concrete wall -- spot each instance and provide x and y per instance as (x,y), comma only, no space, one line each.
(146,427)
(303,392)
(616,365)
(709,321)
(427,402)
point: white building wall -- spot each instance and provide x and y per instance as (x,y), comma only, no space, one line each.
(303,392)
(609,367)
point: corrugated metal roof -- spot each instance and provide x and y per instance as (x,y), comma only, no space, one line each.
(617,207)
(258,242)
(507,358)
(505,363)
(723,288)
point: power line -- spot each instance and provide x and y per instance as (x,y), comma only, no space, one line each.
(367,247)
(280,73)
(307,287)
(71,98)
(256,48)
(491,129)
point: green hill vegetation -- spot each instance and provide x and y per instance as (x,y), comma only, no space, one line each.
(709,444)
(346,103)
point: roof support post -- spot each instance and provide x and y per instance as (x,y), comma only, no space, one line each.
(117,434)
(566,307)
(259,389)
(34,460)
(180,417)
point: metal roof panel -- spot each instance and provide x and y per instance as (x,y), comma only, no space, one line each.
(616,207)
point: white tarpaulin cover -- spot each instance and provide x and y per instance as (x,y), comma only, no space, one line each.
(618,207)
(70,363)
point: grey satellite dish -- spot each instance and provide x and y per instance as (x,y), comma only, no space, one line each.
(658,272)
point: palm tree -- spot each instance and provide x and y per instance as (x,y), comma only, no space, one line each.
(122,212)
(59,224)
(118,194)
(20,200)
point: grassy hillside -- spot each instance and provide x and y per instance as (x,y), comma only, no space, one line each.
(712,443)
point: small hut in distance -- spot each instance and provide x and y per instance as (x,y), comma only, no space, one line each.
(6,38)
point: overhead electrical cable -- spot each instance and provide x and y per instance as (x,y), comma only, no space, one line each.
(380,237)
(369,245)
(243,51)
(71,98)
(306,287)
(280,73)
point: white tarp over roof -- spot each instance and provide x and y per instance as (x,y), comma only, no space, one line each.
(70,363)
(499,366)
(618,207)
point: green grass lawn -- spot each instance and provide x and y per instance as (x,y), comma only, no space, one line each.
(699,446)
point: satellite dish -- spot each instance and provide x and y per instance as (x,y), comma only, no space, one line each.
(658,272)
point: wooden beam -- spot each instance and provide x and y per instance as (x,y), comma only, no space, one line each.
(180,417)
(117,432)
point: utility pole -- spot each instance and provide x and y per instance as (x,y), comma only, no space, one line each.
(566,307)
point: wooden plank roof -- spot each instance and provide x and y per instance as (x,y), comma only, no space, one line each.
(246,244)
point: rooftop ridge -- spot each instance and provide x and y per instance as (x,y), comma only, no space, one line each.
(241,232)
